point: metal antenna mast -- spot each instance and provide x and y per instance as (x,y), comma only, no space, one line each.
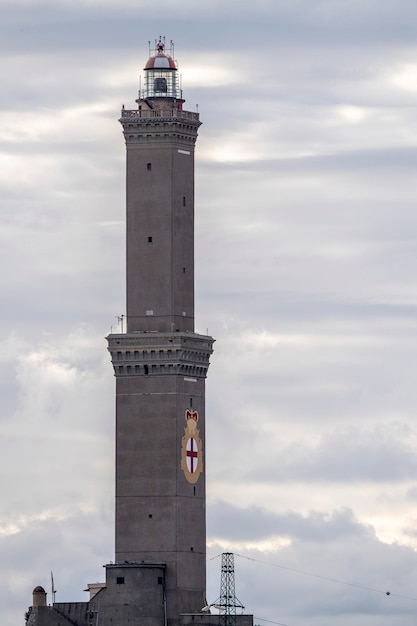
(228,602)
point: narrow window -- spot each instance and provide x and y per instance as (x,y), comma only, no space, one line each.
(183,201)
(183,270)
(149,239)
(149,166)
(146,368)
(160,580)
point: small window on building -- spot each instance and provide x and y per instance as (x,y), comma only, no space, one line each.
(183,201)
(160,580)
(149,166)
(183,270)
(149,239)
(120,580)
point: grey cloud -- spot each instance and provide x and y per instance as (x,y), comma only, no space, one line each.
(349,455)
(395,159)
(228,522)
(67,547)
(352,456)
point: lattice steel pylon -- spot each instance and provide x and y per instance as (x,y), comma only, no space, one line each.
(227,603)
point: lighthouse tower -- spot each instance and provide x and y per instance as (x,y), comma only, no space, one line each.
(160,363)
(158,577)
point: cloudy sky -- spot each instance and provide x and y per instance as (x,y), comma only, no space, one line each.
(306,242)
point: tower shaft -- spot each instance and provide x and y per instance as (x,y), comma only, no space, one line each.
(160,216)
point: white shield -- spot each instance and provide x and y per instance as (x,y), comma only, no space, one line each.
(191,452)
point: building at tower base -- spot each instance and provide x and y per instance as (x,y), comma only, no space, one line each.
(133,595)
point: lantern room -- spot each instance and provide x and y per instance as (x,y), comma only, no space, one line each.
(161,74)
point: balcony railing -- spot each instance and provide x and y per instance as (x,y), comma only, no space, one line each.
(150,114)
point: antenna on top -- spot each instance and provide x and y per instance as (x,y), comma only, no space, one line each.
(120,319)
(53,588)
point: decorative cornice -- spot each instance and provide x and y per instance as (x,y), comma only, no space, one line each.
(160,129)
(160,354)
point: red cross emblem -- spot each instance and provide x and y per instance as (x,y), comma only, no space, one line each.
(192,455)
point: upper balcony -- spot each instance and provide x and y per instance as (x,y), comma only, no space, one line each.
(168,113)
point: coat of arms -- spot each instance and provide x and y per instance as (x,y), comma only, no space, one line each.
(191,448)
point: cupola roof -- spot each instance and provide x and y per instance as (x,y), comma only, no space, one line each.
(160,60)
